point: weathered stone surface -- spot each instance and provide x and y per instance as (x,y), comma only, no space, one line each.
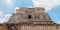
(30,19)
(37,14)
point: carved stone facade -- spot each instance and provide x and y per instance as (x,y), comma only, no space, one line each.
(30,19)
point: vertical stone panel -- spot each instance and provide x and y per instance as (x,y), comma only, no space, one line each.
(59,27)
(38,27)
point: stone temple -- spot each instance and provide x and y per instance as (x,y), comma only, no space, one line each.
(30,19)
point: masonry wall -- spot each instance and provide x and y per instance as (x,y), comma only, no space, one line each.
(3,27)
(38,27)
(0,27)
(59,27)
(33,27)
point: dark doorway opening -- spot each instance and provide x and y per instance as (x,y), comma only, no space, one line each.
(29,16)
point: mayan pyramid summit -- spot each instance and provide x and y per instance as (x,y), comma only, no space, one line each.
(30,19)
(30,16)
